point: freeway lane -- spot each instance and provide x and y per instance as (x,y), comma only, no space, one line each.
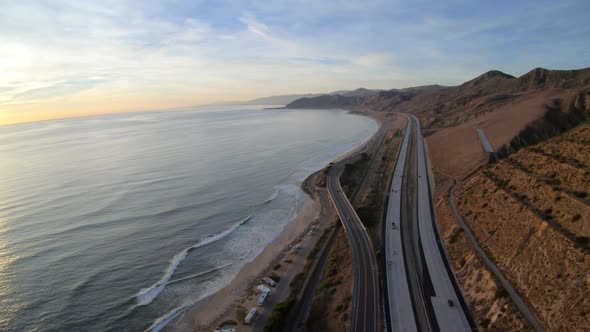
(401,311)
(450,315)
(365,296)
(421,294)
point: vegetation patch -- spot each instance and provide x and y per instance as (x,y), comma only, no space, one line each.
(278,319)
(456,234)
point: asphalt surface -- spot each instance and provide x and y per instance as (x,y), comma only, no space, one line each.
(484,141)
(446,304)
(400,307)
(365,294)
(421,292)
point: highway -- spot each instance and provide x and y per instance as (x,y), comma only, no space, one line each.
(449,317)
(401,311)
(365,294)
(421,293)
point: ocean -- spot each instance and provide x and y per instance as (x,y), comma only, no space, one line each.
(118,222)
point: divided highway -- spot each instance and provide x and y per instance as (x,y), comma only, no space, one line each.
(365,294)
(421,294)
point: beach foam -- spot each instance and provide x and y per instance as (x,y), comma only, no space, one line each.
(147,295)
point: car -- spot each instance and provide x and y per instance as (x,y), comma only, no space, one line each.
(451,303)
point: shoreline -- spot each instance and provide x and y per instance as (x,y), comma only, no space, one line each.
(220,307)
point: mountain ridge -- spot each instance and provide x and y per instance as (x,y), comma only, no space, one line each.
(440,106)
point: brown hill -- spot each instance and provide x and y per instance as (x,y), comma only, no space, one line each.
(489,92)
(326,101)
(441,107)
(500,104)
(531,214)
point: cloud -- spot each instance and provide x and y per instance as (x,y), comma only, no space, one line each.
(197,52)
(373,60)
(255,26)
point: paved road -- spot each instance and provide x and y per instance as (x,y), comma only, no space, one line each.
(419,284)
(484,141)
(401,310)
(448,317)
(365,295)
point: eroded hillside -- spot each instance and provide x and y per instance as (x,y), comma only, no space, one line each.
(531,214)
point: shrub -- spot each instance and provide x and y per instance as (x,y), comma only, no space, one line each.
(276,267)
(576,217)
(500,293)
(503,183)
(378,254)
(462,262)
(455,235)
(582,240)
(278,318)
(297,282)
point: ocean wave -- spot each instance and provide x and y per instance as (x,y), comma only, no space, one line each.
(161,322)
(272,197)
(199,274)
(147,295)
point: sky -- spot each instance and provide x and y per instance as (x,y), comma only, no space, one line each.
(65,58)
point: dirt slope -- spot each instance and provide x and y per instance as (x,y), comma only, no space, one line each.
(531,214)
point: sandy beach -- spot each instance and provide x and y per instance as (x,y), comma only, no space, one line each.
(220,308)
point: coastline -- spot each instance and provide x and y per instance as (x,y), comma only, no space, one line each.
(220,307)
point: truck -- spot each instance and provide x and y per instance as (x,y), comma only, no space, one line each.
(269,281)
(250,316)
(262,298)
(262,289)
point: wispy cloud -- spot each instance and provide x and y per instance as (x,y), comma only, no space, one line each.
(139,54)
(255,26)
(374,60)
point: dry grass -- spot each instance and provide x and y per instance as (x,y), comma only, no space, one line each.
(526,216)
(491,313)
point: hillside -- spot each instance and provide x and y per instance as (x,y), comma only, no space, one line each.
(529,211)
(287,99)
(326,101)
(270,100)
(440,107)
(531,214)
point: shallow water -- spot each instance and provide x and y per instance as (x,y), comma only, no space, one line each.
(113,222)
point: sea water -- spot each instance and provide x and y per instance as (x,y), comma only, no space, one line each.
(119,222)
